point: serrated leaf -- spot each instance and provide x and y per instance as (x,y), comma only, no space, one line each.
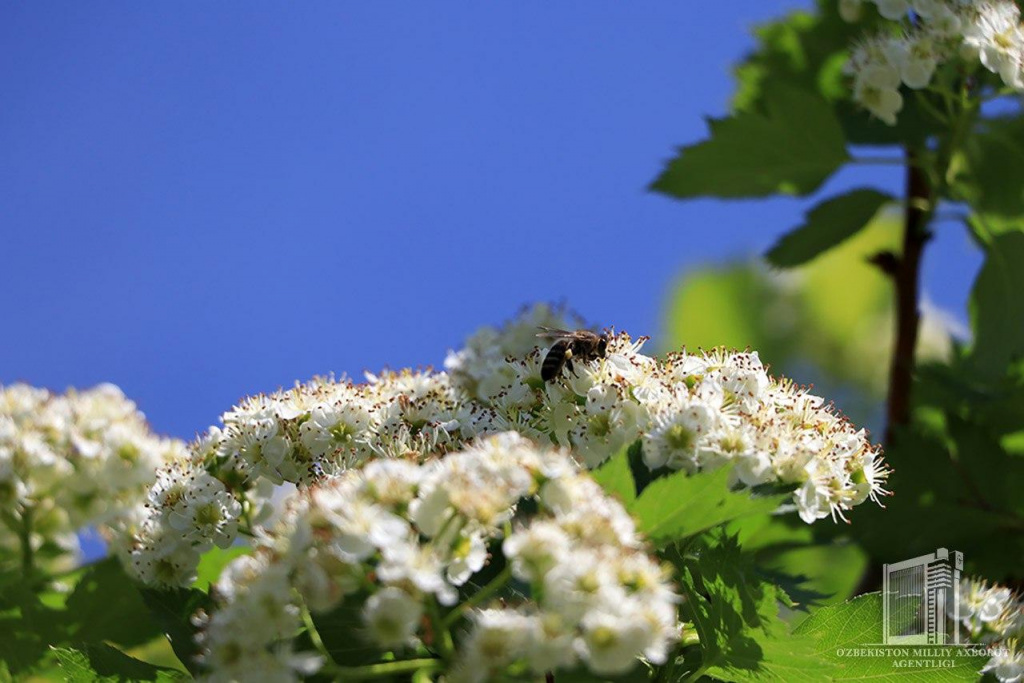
(858,624)
(791,147)
(681,505)
(173,609)
(827,225)
(105,605)
(736,614)
(101,662)
(616,477)
(997,306)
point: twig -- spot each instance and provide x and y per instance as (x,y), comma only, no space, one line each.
(907,280)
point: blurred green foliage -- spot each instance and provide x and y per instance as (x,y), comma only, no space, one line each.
(959,468)
(828,322)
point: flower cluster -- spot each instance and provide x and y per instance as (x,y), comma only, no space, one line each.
(69,461)
(990,613)
(689,411)
(923,35)
(194,504)
(326,427)
(306,434)
(994,615)
(399,542)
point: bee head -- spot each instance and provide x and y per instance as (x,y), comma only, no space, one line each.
(602,346)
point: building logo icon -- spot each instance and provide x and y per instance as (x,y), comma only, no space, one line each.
(921,600)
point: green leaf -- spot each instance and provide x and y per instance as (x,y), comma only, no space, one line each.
(791,147)
(990,175)
(101,662)
(344,635)
(616,477)
(985,226)
(809,50)
(106,605)
(27,628)
(996,475)
(997,306)
(827,225)
(937,504)
(736,614)
(212,563)
(173,609)
(826,572)
(858,623)
(681,505)
(811,572)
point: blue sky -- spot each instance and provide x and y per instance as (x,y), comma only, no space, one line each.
(204,200)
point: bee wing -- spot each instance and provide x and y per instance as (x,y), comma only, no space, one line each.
(550,333)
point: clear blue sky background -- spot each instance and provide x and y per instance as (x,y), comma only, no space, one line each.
(204,200)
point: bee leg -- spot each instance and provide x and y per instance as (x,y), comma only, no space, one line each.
(568,364)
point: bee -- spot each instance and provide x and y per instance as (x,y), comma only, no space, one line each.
(582,345)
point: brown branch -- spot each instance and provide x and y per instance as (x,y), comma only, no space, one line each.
(906,278)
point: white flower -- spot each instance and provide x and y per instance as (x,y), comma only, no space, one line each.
(431,509)
(338,429)
(579,583)
(498,638)
(1007,667)
(868,477)
(611,640)
(893,9)
(536,549)
(754,468)
(919,63)
(945,23)
(361,528)
(883,102)
(812,500)
(392,616)
(163,559)
(995,33)
(607,423)
(677,438)
(206,511)
(420,566)
(468,557)
(551,643)
(744,379)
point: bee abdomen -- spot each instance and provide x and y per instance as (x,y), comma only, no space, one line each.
(554,361)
